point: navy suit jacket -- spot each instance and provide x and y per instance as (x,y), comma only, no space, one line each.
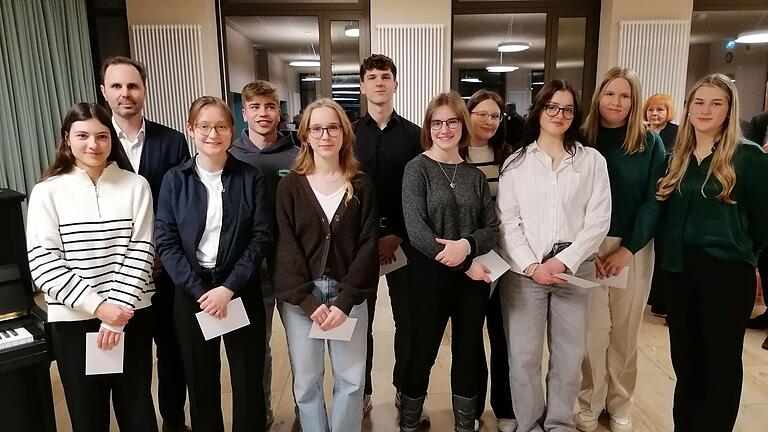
(164,148)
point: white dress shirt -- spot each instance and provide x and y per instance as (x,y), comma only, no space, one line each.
(539,207)
(208,248)
(132,147)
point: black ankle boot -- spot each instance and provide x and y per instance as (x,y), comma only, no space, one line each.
(464,413)
(410,413)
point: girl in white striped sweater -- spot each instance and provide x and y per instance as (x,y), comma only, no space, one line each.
(89,239)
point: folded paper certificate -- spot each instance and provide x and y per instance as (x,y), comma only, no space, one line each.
(579,282)
(495,263)
(213,327)
(99,361)
(618,281)
(342,332)
(400,261)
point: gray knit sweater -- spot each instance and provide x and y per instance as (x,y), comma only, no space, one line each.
(433,209)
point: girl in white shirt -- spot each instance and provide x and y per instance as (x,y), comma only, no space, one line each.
(554,203)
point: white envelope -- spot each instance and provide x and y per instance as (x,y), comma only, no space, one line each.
(579,282)
(618,281)
(495,263)
(400,261)
(98,361)
(342,332)
(213,327)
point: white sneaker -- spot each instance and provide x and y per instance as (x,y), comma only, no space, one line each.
(367,404)
(506,425)
(586,421)
(477,425)
(621,424)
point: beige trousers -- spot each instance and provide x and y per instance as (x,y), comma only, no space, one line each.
(609,368)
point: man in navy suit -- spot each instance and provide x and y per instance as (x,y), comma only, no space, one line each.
(152,149)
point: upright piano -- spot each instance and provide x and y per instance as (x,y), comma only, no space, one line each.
(26,400)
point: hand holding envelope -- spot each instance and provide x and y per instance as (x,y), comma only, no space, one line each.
(235,319)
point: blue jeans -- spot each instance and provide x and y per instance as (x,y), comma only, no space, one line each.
(307,364)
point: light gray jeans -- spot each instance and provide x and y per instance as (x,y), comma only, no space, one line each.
(528,310)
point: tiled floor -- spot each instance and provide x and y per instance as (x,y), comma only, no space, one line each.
(653,398)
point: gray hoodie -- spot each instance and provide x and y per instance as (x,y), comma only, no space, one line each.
(274,161)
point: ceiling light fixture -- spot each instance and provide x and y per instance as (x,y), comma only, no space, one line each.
(512,46)
(311,78)
(471,80)
(352,30)
(501,68)
(753,37)
(305,63)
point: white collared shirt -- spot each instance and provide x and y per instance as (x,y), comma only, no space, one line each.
(133,147)
(539,207)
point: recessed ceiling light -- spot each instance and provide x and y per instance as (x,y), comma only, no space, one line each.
(511,46)
(305,63)
(756,36)
(351,30)
(501,68)
(311,78)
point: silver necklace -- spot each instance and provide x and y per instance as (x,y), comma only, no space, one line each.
(450,180)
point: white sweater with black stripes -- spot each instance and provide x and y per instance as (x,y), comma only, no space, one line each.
(91,243)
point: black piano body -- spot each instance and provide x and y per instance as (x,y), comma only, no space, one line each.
(26,400)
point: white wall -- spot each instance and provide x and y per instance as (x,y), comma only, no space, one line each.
(241,64)
(286,79)
(749,69)
(415,12)
(201,12)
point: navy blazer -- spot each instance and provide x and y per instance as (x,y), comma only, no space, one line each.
(164,148)
(246,228)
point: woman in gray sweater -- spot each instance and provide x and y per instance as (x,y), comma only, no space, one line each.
(450,218)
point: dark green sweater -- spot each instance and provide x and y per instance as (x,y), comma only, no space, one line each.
(633,186)
(728,231)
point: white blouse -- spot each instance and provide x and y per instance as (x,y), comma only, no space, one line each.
(331,202)
(208,248)
(539,207)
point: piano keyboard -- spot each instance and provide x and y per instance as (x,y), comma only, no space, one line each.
(13,337)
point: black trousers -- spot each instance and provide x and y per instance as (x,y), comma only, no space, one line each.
(202,367)
(708,309)
(438,294)
(397,281)
(171,384)
(501,394)
(88,395)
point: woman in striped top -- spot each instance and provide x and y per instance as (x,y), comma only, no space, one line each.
(487,151)
(89,234)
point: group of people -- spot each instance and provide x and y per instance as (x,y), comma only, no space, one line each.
(130,237)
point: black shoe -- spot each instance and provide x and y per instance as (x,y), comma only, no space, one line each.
(464,413)
(410,413)
(182,428)
(765,343)
(759,322)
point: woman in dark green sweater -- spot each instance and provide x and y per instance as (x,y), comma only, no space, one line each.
(635,157)
(715,224)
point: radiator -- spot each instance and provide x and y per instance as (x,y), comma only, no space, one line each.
(417,50)
(174,61)
(658,51)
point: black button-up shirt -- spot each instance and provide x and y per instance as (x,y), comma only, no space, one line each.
(382,154)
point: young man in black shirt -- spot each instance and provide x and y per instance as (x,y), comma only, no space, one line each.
(384,143)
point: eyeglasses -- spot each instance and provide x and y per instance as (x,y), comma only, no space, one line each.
(205,129)
(317,131)
(484,116)
(452,123)
(553,110)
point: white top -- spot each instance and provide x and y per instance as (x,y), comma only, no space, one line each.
(132,147)
(208,248)
(91,243)
(483,157)
(331,202)
(539,207)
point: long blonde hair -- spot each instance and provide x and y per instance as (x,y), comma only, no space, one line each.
(634,141)
(305,161)
(727,140)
